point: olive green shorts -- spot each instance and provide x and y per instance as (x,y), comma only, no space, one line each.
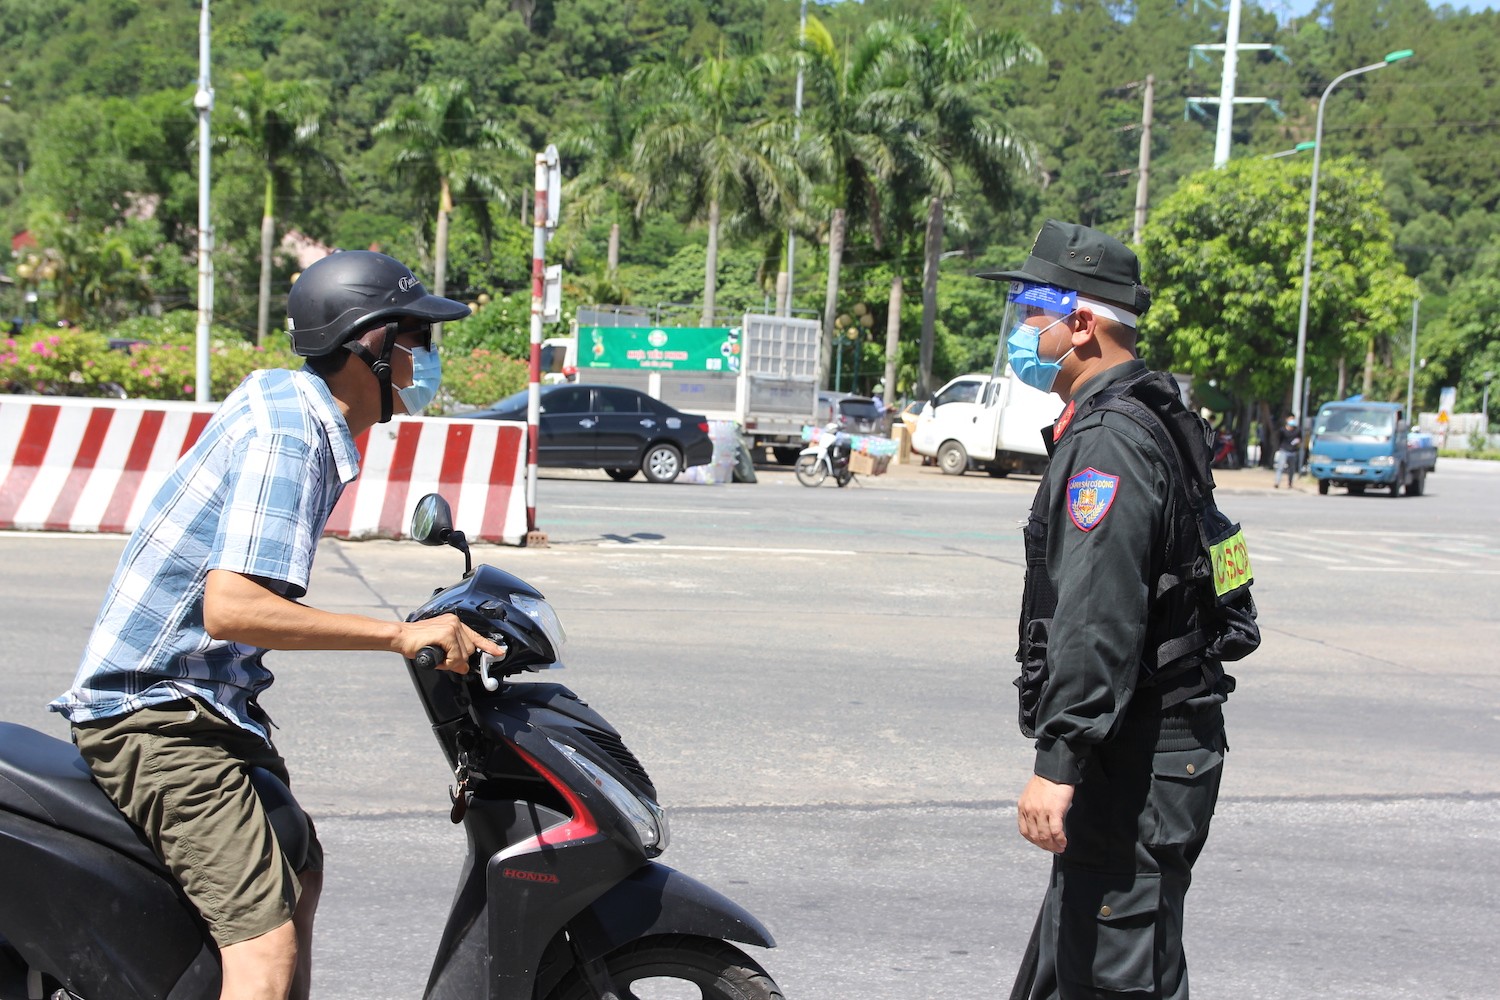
(179,772)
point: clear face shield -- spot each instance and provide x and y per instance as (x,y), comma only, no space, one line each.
(1031,310)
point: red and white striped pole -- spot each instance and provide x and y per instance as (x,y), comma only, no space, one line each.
(538,279)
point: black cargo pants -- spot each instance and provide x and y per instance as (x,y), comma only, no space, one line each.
(1111,921)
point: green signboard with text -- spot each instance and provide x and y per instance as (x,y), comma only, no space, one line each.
(660,348)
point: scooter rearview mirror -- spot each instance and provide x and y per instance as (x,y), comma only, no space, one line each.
(432,520)
(432,524)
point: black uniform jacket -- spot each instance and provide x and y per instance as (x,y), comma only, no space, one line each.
(1106,524)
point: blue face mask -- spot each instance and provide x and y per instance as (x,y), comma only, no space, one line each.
(1022,346)
(426,376)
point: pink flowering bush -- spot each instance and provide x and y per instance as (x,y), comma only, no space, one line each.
(158,360)
(58,361)
(75,362)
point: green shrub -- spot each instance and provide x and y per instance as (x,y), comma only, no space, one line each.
(481,376)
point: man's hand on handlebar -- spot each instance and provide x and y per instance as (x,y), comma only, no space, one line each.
(447,633)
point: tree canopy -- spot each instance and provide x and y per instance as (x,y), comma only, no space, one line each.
(97,133)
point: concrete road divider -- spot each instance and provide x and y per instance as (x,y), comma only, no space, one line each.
(93,465)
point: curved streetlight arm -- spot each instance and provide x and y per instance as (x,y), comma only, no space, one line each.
(1312,214)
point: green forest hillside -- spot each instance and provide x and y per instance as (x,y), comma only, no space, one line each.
(934,139)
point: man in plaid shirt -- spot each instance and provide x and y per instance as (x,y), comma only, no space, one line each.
(164,706)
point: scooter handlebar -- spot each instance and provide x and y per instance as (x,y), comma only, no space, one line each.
(428,657)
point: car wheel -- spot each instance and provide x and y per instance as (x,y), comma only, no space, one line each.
(662,463)
(1417,485)
(952,458)
(621,475)
(1322,487)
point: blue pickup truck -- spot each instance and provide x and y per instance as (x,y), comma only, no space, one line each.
(1358,444)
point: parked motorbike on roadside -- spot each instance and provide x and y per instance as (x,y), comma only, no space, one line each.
(1226,452)
(827,456)
(559,898)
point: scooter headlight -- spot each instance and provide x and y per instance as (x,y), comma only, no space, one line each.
(541,612)
(646,817)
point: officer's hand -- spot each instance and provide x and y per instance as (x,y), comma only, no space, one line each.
(448,634)
(1040,813)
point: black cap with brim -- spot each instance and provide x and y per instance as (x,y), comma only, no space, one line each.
(1087,261)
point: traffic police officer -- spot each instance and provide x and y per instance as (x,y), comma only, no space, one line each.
(1123,789)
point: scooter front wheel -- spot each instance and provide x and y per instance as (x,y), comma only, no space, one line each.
(719,971)
(811,470)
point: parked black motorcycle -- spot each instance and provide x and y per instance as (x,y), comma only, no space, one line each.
(558,899)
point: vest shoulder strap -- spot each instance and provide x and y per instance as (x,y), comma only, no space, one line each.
(1151,400)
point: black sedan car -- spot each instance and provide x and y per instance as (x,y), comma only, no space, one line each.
(612,428)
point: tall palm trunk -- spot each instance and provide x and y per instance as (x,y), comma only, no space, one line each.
(831,299)
(929,292)
(614,248)
(267,238)
(711,265)
(440,267)
(892,340)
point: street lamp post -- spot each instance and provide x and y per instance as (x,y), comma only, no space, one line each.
(1312,214)
(1411,367)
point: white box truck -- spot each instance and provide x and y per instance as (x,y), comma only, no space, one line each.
(762,374)
(994,424)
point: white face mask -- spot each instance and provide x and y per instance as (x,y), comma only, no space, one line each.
(426,376)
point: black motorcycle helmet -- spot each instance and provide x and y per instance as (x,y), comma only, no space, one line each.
(343,295)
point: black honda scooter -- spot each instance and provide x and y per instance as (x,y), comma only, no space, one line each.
(558,899)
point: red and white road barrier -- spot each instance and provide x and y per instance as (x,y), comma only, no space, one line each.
(93,466)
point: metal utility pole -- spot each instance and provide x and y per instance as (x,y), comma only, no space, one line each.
(791,237)
(1226,89)
(1224,134)
(1143,166)
(203,100)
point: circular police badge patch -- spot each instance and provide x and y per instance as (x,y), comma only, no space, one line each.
(1090,494)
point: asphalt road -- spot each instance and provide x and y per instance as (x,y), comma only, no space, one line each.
(819,682)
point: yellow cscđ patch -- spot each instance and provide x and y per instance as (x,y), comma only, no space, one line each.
(1231,561)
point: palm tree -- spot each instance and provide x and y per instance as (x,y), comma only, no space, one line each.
(860,112)
(699,139)
(443,145)
(953,64)
(607,186)
(278,123)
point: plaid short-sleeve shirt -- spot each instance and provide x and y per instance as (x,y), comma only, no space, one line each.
(251,496)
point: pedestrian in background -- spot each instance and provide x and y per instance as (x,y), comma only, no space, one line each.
(1287,452)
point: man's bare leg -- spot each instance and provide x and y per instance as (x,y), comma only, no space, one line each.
(260,968)
(302,921)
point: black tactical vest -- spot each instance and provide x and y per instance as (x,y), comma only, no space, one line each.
(1201,614)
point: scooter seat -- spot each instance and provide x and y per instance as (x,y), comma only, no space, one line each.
(45,779)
